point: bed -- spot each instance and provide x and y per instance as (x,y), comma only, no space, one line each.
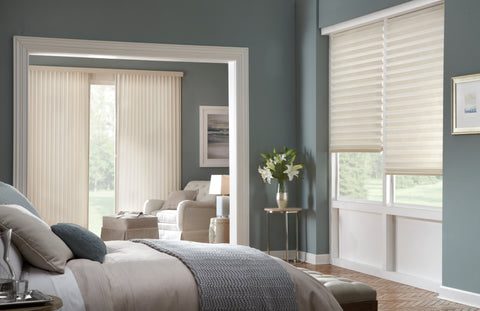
(137,277)
(88,274)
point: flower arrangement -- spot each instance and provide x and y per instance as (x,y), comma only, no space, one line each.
(279,165)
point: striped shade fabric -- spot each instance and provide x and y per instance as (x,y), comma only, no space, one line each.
(148,163)
(58,113)
(414,92)
(356,68)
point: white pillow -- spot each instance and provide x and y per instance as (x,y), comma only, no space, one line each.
(16,260)
(34,239)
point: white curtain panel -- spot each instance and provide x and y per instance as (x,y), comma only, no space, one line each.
(58,114)
(148,162)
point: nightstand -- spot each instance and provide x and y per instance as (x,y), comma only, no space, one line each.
(286,211)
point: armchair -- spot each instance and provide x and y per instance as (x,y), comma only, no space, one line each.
(191,220)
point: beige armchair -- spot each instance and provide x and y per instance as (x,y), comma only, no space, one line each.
(191,220)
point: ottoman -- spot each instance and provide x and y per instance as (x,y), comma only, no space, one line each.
(351,295)
(126,228)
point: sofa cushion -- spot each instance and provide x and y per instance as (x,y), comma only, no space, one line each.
(203,186)
(167,216)
(178,196)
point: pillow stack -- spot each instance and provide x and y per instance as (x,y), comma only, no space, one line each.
(34,238)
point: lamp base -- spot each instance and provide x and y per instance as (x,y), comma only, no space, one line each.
(223,206)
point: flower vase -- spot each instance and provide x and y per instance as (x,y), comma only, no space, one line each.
(282,195)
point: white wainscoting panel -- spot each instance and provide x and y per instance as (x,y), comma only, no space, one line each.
(419,248)
(359,237)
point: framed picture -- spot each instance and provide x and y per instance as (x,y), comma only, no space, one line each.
(466,104)
(214,136)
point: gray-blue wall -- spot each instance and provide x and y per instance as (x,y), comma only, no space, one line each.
(461,211)
(266,28)
(461,171)
(202,85)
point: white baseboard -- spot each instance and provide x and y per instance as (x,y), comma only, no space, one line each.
(314,259)
(459,296)
(427,284)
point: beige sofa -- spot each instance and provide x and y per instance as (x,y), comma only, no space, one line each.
(191,220)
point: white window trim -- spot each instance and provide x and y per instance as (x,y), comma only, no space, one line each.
(238,86)
(379,15)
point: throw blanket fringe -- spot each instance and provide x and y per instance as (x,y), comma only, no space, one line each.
(233,277)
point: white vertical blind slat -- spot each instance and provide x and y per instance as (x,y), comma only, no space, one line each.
(148,138)
(58,145)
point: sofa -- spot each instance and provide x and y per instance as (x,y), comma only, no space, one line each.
(190,220)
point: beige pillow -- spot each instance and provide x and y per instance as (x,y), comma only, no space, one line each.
(34,239)
(178,196)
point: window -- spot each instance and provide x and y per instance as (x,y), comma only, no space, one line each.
(386,100)
(386,119)
(101,155)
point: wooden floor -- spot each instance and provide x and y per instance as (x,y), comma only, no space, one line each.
(392,295)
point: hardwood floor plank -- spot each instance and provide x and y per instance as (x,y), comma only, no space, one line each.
(393,296)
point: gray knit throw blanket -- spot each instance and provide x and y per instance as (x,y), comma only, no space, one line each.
(233,277)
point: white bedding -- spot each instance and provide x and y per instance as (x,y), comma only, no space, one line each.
(137,277)
(61,285)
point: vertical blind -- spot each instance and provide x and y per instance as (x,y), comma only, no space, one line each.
(58,113)
(148,159)
(356,65)
(414,93)
(394,69)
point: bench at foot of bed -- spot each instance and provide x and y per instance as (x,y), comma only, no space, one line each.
(352,295)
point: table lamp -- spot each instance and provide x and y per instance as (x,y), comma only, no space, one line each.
(220,185)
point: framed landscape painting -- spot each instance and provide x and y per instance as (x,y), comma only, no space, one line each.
(466,104)
(214,136)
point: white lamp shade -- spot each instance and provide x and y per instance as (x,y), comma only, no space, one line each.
(220,184)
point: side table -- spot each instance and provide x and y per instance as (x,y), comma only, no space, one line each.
(127,227)
(286,211)
(219,231)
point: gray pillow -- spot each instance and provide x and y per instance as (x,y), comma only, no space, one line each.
(82,243)
(16,260)
(10,195)
(178,196)
(34,239)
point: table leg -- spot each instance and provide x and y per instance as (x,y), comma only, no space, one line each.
(286,237)
(296,228)
(268,234)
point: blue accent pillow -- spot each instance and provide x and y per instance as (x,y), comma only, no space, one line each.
(10,195)
(82,243)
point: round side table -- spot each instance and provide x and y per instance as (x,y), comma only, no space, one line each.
(219,230)
(286,211)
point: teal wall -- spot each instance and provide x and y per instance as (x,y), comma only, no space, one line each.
(266,28)
(202,85)
(312,135)
(461,211)
(461,171)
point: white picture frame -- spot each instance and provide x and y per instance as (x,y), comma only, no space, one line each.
(214,136)
(466,104)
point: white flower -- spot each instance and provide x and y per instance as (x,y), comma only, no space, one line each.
(283,157)
(270,164)
(292,171)
(266,174)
